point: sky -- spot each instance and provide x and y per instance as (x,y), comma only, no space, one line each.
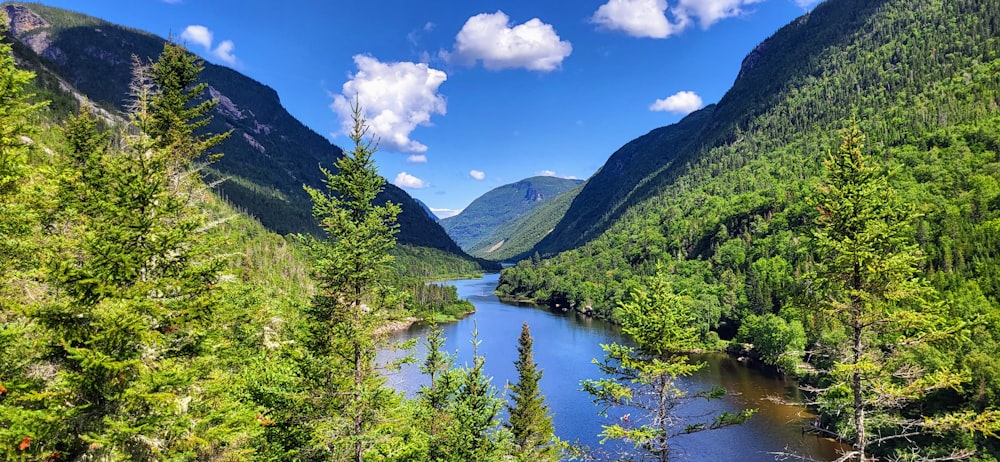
(469,95)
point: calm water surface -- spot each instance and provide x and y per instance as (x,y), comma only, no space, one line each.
(564,346)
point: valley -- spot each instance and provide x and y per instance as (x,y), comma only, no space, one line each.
(807,267)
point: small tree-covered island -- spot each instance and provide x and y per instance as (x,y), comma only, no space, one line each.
(187,272)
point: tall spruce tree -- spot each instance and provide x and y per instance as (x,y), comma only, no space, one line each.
(25,413)
(646,380)
(178,110)
(867,283)
(439,393)
(475,408)
(530,421)
(16,127)
(138,292)
(354,300)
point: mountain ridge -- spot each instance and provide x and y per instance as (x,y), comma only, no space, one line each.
(266,160)
(480,219)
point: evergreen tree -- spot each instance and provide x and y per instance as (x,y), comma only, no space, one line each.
(179,110)
(436,397)
(866,281)
(645,379)
(25,408)
(16,129)
(138,295)
(530,421)
(475,410)
(352,264)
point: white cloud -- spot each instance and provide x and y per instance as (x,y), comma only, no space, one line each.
(417,159)
(649,18)
(710,11)
(201,35)
(638,18)
(682,102)
(224,52)
(806,3)
(445,213)
(489,37)
(198,35)
(395,98)
(405,180)
(553,173)
(477,174)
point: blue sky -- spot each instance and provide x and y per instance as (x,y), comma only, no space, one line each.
(468,95)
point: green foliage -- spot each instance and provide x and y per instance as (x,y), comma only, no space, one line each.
(474,408)
(530,421)
(481,225)
(726,209)
(520,235)
(865,281)
(175,117)
(775,341)
(352,264)
(646,379)
(649,385)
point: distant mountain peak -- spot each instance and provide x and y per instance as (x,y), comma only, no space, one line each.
(501,205)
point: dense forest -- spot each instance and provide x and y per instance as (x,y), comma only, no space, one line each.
(756,223)
(143,317)
(836,215)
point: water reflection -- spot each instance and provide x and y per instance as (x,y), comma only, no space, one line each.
(565,344)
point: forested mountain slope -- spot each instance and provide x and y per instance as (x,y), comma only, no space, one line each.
(269,155)
(516,239)
(478,222)
(792,86)
(730,217)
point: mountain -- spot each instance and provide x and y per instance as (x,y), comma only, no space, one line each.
(722,209)
(922,79)
(790,86)
(426,209)
(517,238)
(478,222)
(269,155)
(631,174)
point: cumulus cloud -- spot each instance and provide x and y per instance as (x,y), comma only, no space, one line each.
(405,180)
(224,52)
(395,98)
(417,159)
(682,102)
(638,18)
(710,11)
(477,174)
(490,39)
(201,35)
(198,35)
(649,18)
(445,213)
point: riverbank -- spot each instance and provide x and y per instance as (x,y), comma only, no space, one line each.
(565,345)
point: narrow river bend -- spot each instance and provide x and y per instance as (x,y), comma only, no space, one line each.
(564,346)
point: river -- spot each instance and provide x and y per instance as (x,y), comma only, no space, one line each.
(565,344)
